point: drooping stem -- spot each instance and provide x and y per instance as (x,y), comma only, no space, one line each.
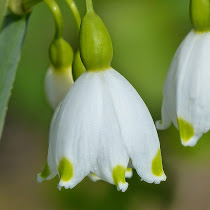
(89,6)
(75,11)
(58,19)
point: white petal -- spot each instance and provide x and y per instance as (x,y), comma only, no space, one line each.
(50,170)
(57,84)
(137,127)
(169,107)
(193,89)
(93,177)
(166,121)
(129,173)
(90,135)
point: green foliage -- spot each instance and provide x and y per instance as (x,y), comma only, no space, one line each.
(3,6)
(11,39)
(78,68)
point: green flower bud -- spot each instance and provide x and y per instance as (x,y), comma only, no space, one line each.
(61,54)
(95,42)
(78,67)
(200,15)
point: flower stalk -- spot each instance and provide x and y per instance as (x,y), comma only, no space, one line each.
(89,6)
(74,9)
(53,6)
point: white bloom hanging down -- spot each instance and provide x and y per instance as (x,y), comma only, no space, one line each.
(57,85)
(101,125)
(186,91)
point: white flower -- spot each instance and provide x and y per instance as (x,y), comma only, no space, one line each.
(100,126)
(186,91)
(57,85)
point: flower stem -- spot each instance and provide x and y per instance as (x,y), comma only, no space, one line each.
(75,11)
(89,6)
(58,19)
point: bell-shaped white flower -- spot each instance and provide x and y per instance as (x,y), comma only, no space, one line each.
(57,85)
(101,127)
(186,91)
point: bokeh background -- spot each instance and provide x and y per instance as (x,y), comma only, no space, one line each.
(145,36)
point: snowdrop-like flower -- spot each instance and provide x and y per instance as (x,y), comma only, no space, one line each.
(186,91)
(59,77)
(102,127)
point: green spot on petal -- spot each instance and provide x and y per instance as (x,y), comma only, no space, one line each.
(65,169)
(45,173)
(118,174)
(92,174)
(186,130)
(129,170)
(157,168)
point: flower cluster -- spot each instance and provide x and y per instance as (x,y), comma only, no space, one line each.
(186,91)
(102,128)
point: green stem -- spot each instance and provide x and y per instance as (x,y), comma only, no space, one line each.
(89,6)
(75,11)
(58,19)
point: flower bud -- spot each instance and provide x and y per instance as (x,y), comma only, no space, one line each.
(78,67)
(95,43)
(59,76)
(61,54)
(200,15)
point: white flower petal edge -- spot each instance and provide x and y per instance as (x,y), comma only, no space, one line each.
(186,92)
(102,123)
(94,178)
(57,85)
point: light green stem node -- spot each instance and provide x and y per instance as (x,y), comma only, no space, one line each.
(157,167)
(118,174)
(78,68)
(200,15)
(22,7)
(95,42)
(89,6)
(58,19)
(61,54)
(75,11)
(65,170)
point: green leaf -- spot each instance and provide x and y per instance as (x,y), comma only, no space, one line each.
(11,40)
(3,7)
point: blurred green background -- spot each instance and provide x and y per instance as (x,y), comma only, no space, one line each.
(145,36)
